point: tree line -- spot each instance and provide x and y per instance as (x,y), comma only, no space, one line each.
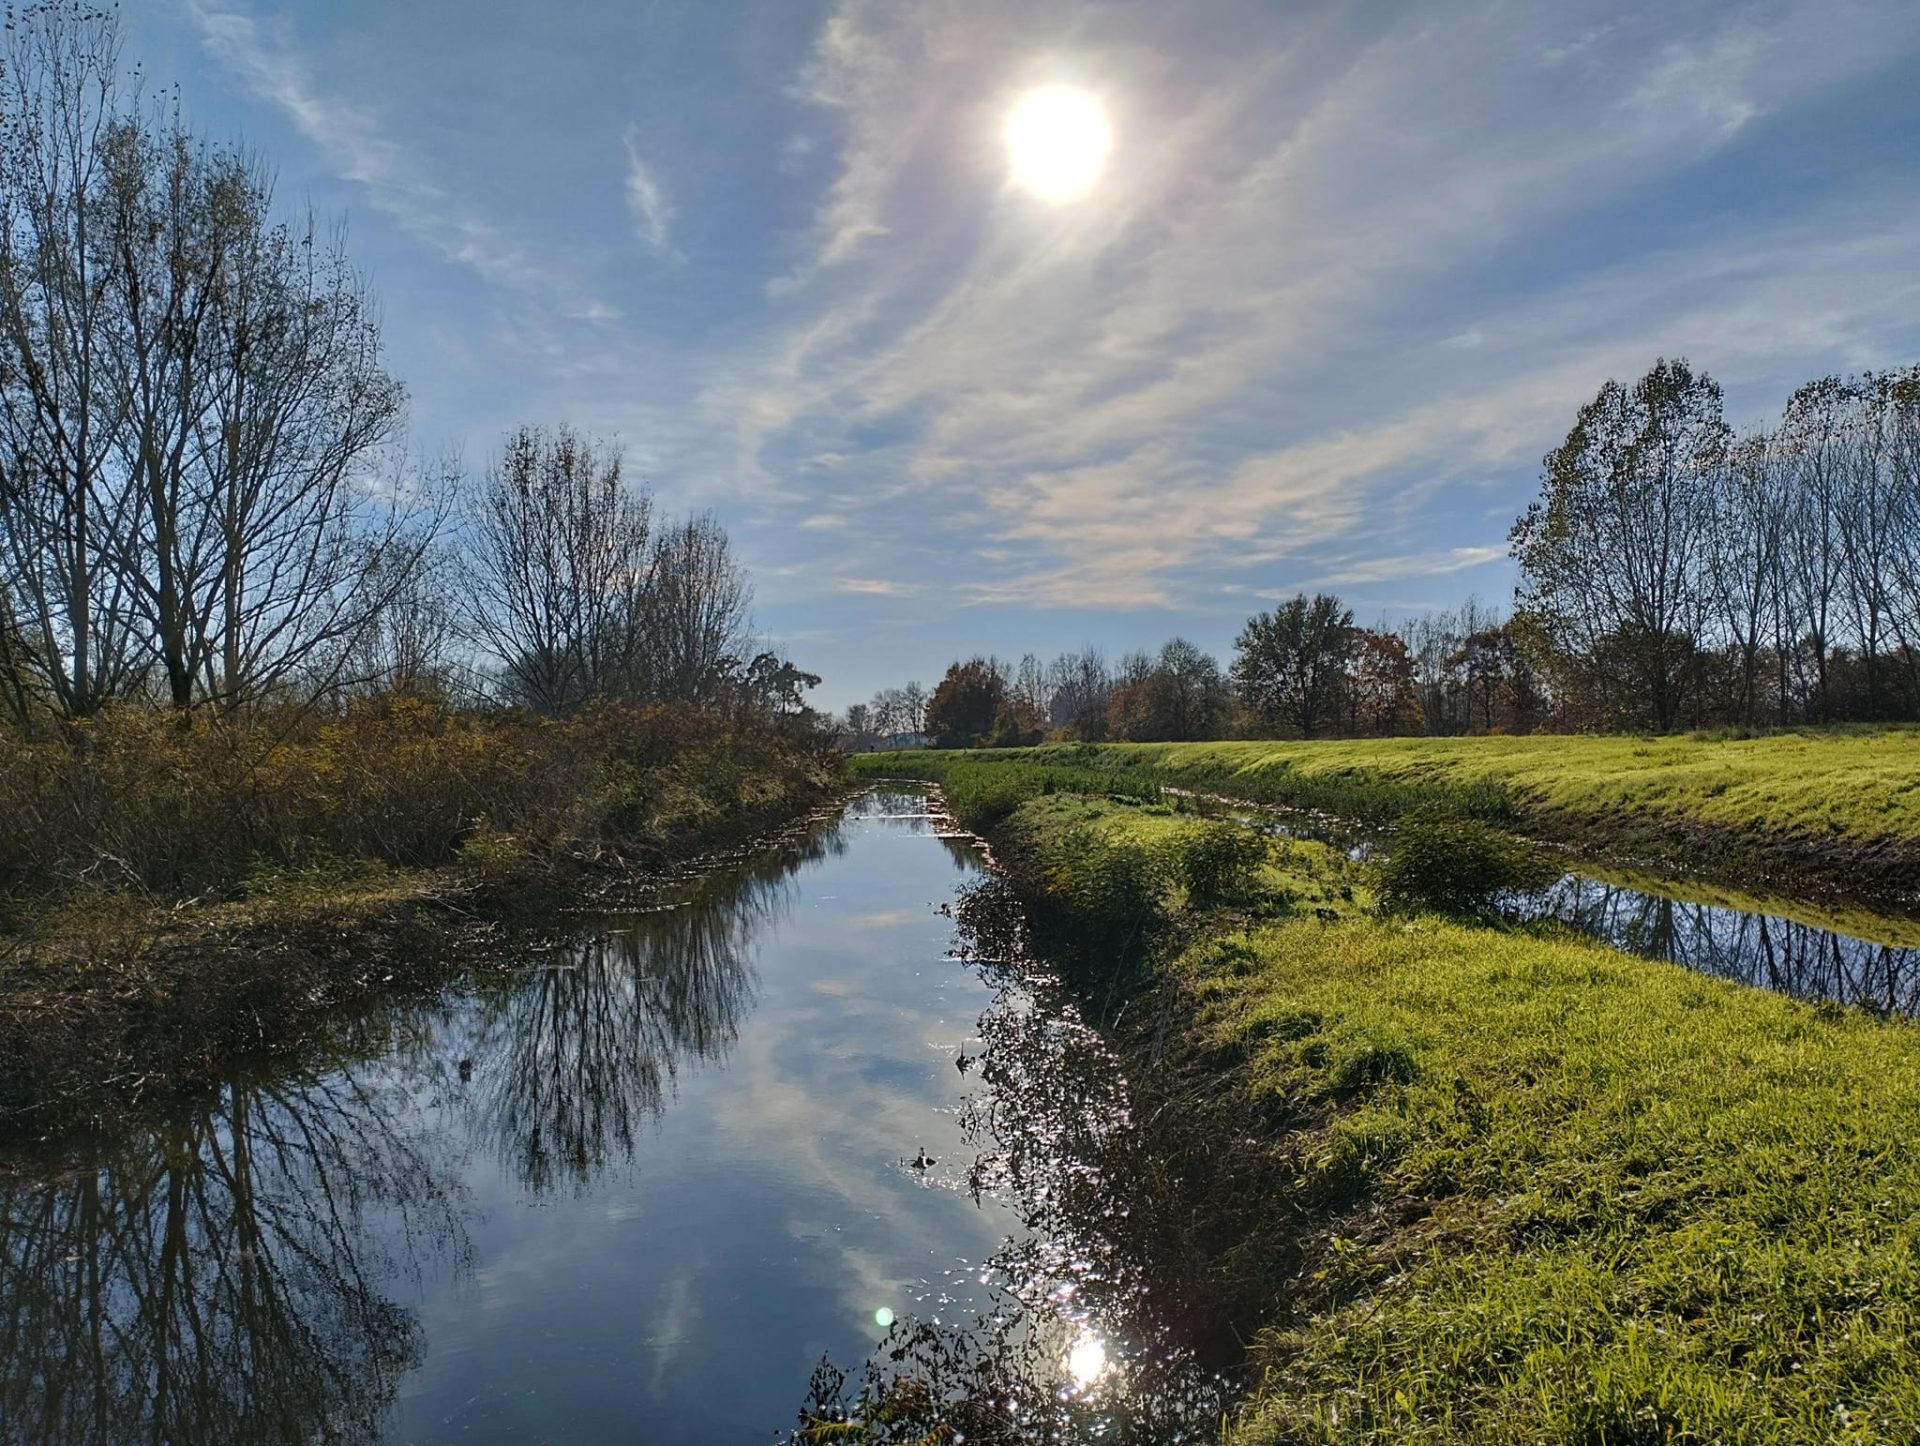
(1672,573)
(1304,669)
(206,500)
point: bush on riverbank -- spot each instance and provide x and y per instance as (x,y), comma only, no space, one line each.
(1442,863)
(164,808)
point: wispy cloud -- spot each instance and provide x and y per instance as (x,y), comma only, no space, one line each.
(1348,275)
(359,148)
(652,213)
(1419,564)
(1229,359)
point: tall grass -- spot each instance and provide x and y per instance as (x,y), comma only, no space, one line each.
(141,803)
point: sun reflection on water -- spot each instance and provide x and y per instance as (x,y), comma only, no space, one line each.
(1086,1361)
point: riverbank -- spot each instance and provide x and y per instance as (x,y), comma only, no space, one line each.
(117,992)
(1528,1188)
(1831,812)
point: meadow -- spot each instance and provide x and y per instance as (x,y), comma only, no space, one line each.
(1834,810)
(1535,1189)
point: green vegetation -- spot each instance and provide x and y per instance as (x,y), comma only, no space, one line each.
(1443,863)
(1539,1190)
(981,788)
(1833,807)
(1594,1199)
(1119,875)
(173,892)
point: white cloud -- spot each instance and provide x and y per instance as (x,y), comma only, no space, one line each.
(1235,356)
(652,212)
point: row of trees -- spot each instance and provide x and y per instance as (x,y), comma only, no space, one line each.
(205,500)
(1674,572)
(1303,669)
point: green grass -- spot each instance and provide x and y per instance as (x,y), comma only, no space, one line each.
(1629,1203)
(1546,1191)
(984,787)
(1833,812)
(1856,784)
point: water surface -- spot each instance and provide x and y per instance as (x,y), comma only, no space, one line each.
(634,1190)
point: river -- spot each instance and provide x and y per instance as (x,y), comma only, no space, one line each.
(634,1190)
(642,1185)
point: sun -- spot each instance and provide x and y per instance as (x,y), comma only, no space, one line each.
(1057,142)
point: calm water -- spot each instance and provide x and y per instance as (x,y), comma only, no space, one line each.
(632,1192)
(1877,968)
(636,1189)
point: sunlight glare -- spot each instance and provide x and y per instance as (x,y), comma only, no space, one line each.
(1057,142)
(1086,1361)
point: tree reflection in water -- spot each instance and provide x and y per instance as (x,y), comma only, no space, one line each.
(1102,1320)
(214,1280)
(228,1276)
(1765,950)
(573,1058)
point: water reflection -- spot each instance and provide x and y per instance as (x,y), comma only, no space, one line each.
(570,1060)
(1766,950)
(215,1280)
(1103,1321)
(237,1273)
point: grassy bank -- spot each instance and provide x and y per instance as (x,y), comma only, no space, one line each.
(1834,810)
(1529,1188)
(175,896)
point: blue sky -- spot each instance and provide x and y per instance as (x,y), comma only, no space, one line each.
(1347,274)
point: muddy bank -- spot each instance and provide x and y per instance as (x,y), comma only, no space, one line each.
(136,1009)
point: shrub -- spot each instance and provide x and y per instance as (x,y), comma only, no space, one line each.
(1218,861)
(147,802)
(1448,864)
(1113,890)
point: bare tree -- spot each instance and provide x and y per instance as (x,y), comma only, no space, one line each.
(560,564)
(694,619)
(190,398)
(64,499)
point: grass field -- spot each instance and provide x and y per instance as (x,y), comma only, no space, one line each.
(1837,810)
(1542,1190)
(1855,784)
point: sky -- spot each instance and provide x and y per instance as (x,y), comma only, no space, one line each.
(1347,272)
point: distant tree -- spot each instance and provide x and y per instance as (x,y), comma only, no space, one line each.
(1289,663)
(860,728)
(1178,694)
(772,685)
(913,708)
(1080,688)
(1611,555)
(1380,689)
(967,705)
